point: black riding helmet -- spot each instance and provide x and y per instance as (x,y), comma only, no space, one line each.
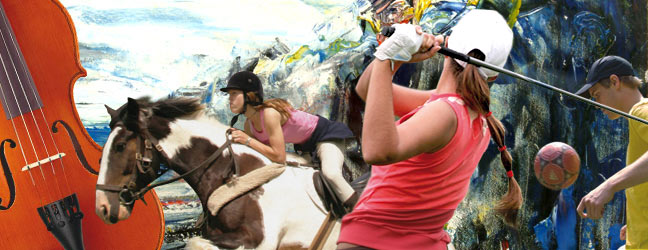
(247,82)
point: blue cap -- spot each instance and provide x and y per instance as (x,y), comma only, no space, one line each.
(602,69)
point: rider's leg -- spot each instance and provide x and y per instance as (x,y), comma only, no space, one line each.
(332,159)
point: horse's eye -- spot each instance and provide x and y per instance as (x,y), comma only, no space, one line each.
(120,147)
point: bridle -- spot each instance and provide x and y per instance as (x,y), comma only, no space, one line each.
(130,192)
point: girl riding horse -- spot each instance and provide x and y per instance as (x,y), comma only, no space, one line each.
(270,124)
(283,213)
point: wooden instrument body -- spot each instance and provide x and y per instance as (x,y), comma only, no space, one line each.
(47,38)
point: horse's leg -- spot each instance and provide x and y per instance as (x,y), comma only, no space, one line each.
(199,243)
(331,241)
(233,240)
(238,223)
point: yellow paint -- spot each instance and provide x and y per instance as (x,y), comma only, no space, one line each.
(484,210)
(375,26)
(265,66)
(339,44)
(515,11)
(299,54)
(420,7)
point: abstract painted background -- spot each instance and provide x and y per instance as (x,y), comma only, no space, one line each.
(312,52)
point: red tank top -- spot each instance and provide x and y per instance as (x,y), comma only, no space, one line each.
(406,204)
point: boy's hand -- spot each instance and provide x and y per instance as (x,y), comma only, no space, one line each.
(594,202)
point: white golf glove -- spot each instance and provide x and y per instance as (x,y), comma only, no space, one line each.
(401,45)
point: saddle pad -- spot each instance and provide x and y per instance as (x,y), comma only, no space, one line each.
(241,185)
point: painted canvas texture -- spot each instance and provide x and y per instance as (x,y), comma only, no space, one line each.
(312,54)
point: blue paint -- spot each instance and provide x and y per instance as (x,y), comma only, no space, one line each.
(99,134)
(208,94)
(544,233)
(615,241)
(566,220)
(587,241)
(558,231)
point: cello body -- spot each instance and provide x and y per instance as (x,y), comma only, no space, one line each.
(45,152)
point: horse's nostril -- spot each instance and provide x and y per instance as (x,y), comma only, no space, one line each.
(104,210)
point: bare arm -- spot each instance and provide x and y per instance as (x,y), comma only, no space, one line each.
(405,99)
(383,143)
(630,176)
(276,151)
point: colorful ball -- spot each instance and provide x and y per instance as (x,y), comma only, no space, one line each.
(557,165)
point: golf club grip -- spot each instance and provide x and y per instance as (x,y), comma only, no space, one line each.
(388,31)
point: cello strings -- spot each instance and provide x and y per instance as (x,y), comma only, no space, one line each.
(31,80)
(31,110)
(20,145)
(4,65)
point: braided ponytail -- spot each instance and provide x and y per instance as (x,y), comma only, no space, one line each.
(473,88)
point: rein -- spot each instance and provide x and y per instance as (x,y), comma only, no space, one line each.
(129,193)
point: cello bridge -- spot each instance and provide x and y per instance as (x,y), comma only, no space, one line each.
(43,161)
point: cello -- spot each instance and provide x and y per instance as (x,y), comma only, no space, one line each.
(49,163)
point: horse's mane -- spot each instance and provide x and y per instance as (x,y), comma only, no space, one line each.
(176,107)
(168,107)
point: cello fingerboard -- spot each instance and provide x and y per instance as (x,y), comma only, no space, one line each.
(17,91)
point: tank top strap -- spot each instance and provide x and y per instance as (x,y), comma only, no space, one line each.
(262,120)
(433,98)
(477,126)
(258,134)
(457,103)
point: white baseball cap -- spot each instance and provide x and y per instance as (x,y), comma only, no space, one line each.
(487,31)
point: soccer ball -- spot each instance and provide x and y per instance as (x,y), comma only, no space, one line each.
(557,165)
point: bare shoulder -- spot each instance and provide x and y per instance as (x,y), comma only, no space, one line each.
(431,128)
(440,112)
(271,116)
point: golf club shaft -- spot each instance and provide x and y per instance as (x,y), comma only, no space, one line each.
(480,63)
(388,31)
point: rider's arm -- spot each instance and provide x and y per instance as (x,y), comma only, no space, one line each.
(276,151)
(405,99)
(429,129)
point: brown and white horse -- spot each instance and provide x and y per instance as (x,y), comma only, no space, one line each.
(284,213)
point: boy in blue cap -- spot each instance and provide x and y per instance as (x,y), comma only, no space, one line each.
(611,81)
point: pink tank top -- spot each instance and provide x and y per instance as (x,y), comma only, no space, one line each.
(406,204)
(296,130)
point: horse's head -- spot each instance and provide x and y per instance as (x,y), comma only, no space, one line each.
(128,162)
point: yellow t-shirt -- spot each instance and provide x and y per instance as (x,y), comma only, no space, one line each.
(637,196)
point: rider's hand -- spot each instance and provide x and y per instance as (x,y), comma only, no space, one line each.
(239,136)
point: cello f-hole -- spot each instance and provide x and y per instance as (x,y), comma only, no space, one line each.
(75,143)
(7,173)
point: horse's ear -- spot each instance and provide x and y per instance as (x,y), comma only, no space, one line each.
(132,115)
(113,113)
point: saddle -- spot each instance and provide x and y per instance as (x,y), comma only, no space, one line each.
(224,194)
(332,203)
